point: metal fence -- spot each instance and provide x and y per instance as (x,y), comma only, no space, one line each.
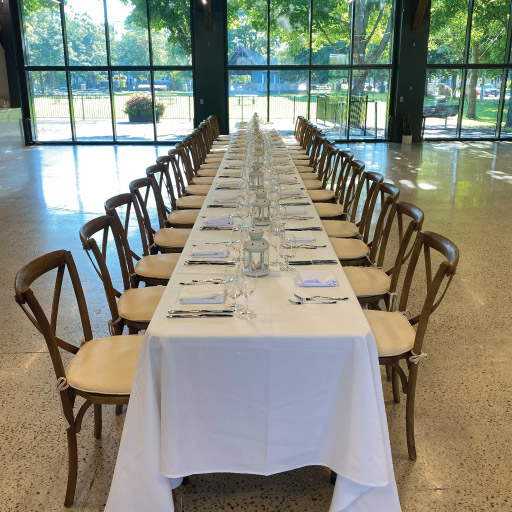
(97,106)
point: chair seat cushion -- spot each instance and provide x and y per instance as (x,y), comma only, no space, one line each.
(309,175)
(312,184)
(326,210)
(212,171)
(300,159)
(139,304)
(213,159)
(197,190)
(182,217)
(105,365)
(174,238)
(222,137)
(203,180)
(340,228)
(210,165)
(305,169)
(349,248)
(158,266)
(368,281)
(188,202)
(321,195)
(393,333)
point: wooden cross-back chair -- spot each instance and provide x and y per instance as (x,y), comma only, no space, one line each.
(400,334)
(164,239)
(356,251)
(216,129)
(131,307)
(326,168)
(151,269)
(349,172)
(374,283)
(178,162)
(174,217)
(101,370)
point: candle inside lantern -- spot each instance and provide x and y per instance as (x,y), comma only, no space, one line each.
(255,264)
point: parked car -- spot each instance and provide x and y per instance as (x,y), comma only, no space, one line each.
(489,90)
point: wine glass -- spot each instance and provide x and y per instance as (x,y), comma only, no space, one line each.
(231,280)
(247,286)
(289,249)
(276,240)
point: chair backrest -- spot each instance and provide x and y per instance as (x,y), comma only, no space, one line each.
(43,269)
(162,177)
(144,190)
(341,162)
(179,163)
(121,207)
(191,157)
(102,227)
(387,198)
(438,278)
(214,122)
(404,222)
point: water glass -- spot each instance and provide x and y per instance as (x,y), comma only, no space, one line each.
(247,286)
(289,249)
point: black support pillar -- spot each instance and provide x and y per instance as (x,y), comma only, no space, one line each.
(411,71)
(210,60)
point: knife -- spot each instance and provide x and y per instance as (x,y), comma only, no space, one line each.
(221,206)
(200,315)
(314,262)
(312,228)
(296,204)
(200,311)
(208,262)
(216,228)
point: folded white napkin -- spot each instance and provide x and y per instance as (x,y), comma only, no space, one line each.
(287,180)
(229,199)
(202,294)
(292,212)
(233,162)
(315,278)
(225,183)
(304,238)
(233,173)
(282,167)
(219,220)
(210,251)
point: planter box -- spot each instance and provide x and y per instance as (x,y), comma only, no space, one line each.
(143,118)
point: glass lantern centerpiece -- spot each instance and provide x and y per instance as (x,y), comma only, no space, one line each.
(256,255)
(256,177)
(261,210)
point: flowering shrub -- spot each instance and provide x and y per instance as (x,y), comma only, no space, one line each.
(140,107)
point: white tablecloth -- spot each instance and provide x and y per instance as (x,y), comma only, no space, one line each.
(297,386)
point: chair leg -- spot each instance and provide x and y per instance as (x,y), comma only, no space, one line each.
(119,409)
(395,385)
(388,372)
(97,421)
(409,411)
(72,466)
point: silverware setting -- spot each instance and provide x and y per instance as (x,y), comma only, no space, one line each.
(200,315)
(314,262)
(296,217)
(208,262)
(216,228)
(300,203)
(299,302)
(312,228)
(221,206)
(200,311)
(202,281)
(318,297)
(309,246)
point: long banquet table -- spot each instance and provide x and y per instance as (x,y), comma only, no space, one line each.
(299,385)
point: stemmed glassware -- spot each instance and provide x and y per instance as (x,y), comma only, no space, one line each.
(289,249)
(232,280)
(247,286)
(276,240)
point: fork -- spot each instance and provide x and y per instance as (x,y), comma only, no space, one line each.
(319,297)
(299,302)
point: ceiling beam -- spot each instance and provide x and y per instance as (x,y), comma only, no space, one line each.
(420,12)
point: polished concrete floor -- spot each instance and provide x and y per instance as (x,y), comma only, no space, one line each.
(464,409)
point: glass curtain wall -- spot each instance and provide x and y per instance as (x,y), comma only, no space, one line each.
(468,86)
(329,60)
(108,70)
